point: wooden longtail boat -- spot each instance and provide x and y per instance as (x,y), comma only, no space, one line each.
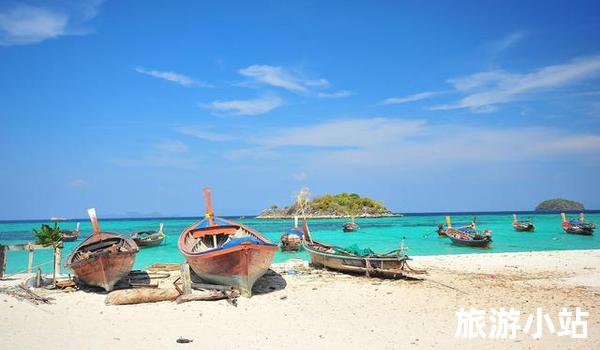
(389,265)
(103,258)
(578,227)
(226,252)
(441,231)
(70,236)
(292,240)
(149,238)
(350,226)
(522,226)
(468,236)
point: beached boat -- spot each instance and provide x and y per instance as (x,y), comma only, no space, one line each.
(70,236)
(292,240)
(350,226)
(356,261)
(522,226)
(226,252)
(577,226)
(103,258)
(149,238)
(468,236)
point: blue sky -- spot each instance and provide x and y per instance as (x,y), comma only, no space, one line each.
(134,106)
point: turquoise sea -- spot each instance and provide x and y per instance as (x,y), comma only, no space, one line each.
(380,234)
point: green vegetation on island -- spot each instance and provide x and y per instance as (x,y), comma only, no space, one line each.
(332,206)
(559,204)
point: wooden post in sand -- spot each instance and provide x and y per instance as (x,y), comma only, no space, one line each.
(29,258)
(3,254)
(186,278)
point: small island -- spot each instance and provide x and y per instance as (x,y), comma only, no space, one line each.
(559,204)
(332,206)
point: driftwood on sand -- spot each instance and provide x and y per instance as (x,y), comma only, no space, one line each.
(140,296)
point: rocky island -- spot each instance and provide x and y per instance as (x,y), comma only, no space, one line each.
(559,204)
(331,206)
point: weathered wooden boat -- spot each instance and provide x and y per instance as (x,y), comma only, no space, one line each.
(577,226)
(226,252)
(149,238)
(350,226)
(468,236)
(522,226)
(70,236)
(393,264)
(292,240)
(103,258)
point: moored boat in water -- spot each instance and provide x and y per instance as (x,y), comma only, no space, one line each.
(291,241)
(350,226)
(522,226)
(103,258)
(226,252)
(577,226)
(149,238)
(70,236)
(468,236)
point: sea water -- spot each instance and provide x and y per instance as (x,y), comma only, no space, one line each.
(418,231)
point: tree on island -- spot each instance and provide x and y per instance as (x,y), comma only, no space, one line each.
(50,237)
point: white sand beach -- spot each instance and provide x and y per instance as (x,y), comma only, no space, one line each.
(321,309)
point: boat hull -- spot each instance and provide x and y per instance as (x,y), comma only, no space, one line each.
(69,238)
(524,227)
(481,243)
(239,266)
(104,271)
(388,267)
(148,242)
(579,231)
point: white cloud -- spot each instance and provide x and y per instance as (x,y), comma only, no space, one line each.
(165,153)
(284,78)
(24,24)
(507,41)
(486,90)
(173,77)
(204,134)
(247,107)
(390,143)
(409,98)
(336,94)
(167,146)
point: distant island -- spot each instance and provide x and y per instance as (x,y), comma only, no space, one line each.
(331,206)
(559,204)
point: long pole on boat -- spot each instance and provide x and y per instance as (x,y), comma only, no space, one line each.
(448,221)
(581,217)
(209,208)
(514,218)
(564,217)
(94,219)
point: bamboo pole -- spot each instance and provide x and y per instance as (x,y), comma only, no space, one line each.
(30,260)
(448,221)
(564,217)
(3,256)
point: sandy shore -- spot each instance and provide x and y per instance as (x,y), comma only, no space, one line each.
(321,310)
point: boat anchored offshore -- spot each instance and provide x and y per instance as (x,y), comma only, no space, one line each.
(577,226)
(103,258)
(292,240)
(226,252)
(522,226)
(350,226)
(149,238)
(468,235)
(70,236)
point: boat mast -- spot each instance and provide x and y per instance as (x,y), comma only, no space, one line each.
(94,219)
(209,208)
(515,218)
